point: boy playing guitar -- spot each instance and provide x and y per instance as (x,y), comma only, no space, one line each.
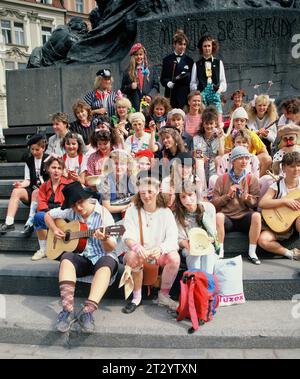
(98,257)
(276,197)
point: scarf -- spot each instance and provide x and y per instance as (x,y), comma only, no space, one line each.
(101,95)
(159,119)
(235,179)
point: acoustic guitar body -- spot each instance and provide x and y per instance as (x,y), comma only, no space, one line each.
(56,247)
(281,219)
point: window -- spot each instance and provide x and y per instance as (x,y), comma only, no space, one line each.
(6,31)
(79,6)
(19,33)
(22,66)
(46,33)
(9,65)
(45,1)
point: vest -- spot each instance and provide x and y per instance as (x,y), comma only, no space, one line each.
(201,74)
(34,181)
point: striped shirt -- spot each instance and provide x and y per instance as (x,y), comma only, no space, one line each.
(94,249)
(108,103)
(95,163)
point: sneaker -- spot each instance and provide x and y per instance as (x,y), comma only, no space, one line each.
(4,228)
(296,254)
(86,321)
(28,230)
(40,254)
(64,321)
(165,300)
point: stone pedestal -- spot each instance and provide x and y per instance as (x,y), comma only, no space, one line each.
(256,46)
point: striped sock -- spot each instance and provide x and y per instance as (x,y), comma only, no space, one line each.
(90,306)
(67,290)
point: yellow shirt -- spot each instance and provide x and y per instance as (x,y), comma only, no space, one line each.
(256,143)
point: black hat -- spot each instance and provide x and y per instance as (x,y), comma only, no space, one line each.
(35,139)
(74,192)
(105,73)
(185,159)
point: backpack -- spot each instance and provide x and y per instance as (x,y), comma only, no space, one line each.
(198,298)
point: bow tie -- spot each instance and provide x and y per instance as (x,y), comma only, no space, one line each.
(207,60)
(178,56)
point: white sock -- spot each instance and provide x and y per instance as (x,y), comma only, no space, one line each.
(43,244)
(289,254)
(33,208)
(9,220)
(221,252)
(137,297)
(252,251)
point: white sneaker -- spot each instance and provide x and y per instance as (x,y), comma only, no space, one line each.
(166,301)
(40,254)
(296,254)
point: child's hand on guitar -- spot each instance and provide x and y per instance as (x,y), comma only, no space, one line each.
(101,236)
(58,234)
(292,204)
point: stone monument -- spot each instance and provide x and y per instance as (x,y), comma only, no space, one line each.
(259,45)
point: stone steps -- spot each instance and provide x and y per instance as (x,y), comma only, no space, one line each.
(6,187)
(275,279)
(22,213)
(30,320)
(11,171)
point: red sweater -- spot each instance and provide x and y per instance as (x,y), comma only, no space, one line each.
(45,192)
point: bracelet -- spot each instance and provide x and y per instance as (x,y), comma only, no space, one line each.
(136,248)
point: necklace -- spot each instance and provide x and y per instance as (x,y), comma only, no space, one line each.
(148,217)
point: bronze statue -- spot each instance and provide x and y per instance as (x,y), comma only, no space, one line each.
(114,27)
(55,50)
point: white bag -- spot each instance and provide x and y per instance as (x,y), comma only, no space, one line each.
(230,277)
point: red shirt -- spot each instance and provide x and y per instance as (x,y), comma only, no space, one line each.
(46,190)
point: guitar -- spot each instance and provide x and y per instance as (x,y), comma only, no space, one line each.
(76,235)
(281,219)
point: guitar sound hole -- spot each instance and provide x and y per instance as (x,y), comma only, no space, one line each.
(67,236)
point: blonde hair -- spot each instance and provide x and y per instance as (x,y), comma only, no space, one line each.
(122,156)
(271,111)
(123,102)
(132,64)
(98,82)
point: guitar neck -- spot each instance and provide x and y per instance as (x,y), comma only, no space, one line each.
(84,234)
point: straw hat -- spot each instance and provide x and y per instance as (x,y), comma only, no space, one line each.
(199,242)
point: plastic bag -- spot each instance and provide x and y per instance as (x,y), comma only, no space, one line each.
(230,277)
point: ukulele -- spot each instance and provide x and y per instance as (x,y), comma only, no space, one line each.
(281,219)
(76,235)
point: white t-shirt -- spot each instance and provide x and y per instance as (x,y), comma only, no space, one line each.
(37,165)
(72,164)
(134,144)
(159,229)
(283,190)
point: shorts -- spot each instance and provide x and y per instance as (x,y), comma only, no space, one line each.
(238,225)
(279,236)
(39,221)
(84,266)
(29,191)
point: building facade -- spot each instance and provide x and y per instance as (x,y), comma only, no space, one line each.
(80,8)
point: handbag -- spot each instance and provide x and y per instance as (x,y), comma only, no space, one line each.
(150,270)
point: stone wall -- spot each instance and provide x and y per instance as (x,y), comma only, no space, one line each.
(255,45)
